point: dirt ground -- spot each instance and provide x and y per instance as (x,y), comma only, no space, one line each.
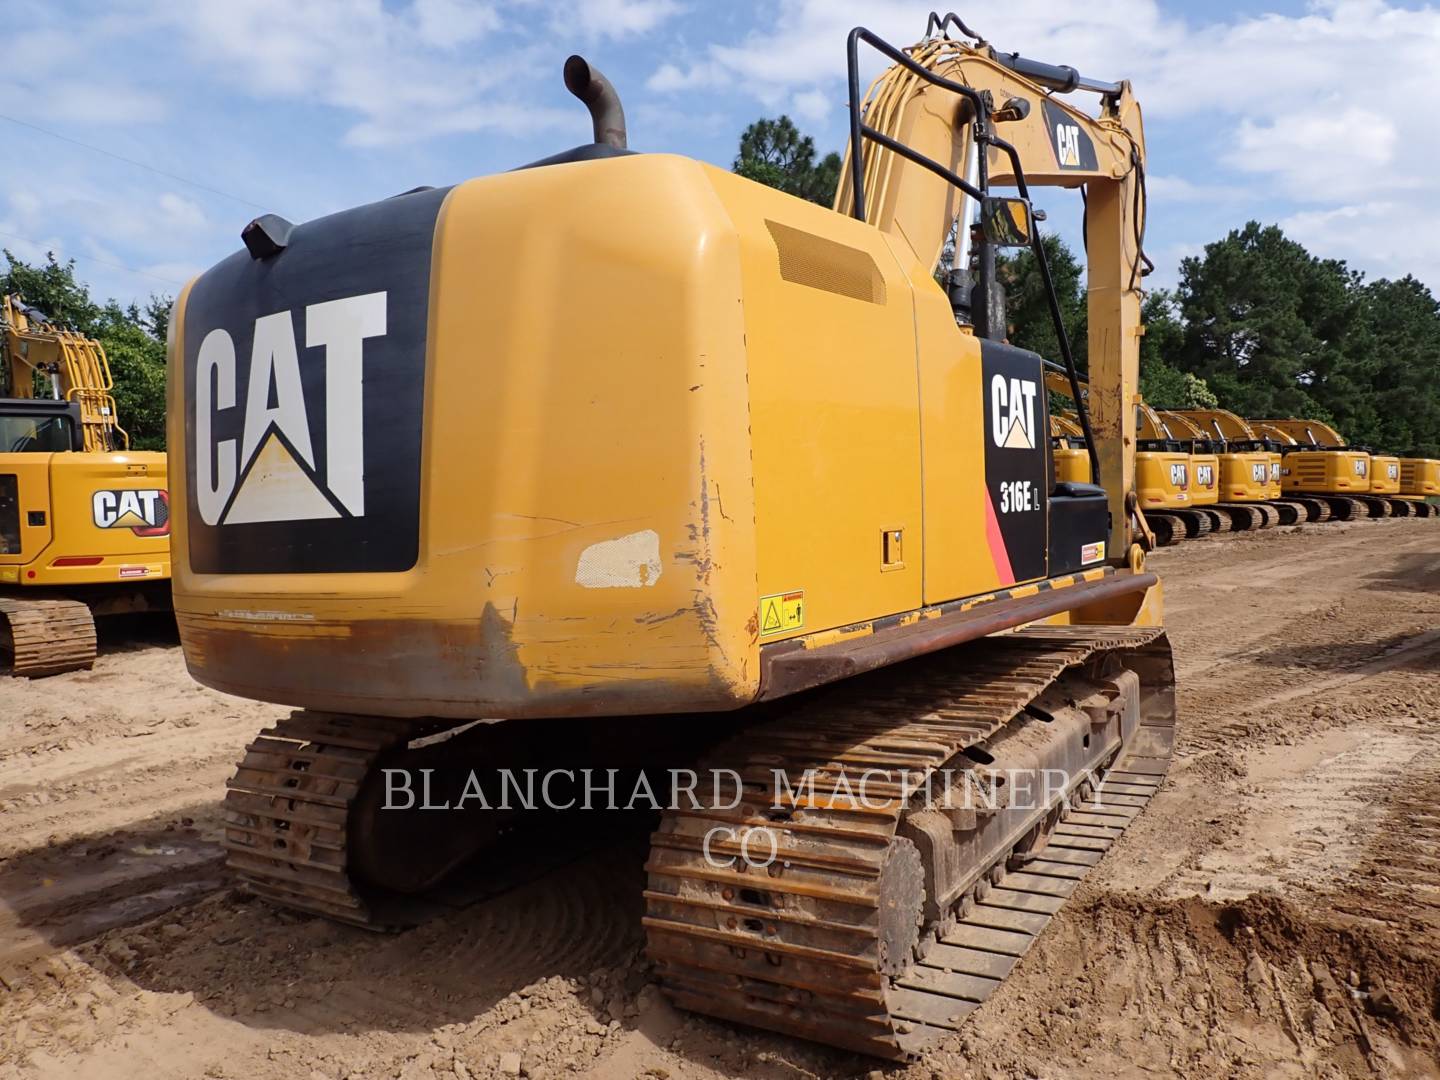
(1274,913)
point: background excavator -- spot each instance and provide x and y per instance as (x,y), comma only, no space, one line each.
(1177,478)
(1331,471)
(1227,514)
(1069,450)
(84,520)
(1250,480)
(757,467)
(1419,483)
(1319,462)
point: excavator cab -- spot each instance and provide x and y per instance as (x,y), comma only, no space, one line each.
(84,520)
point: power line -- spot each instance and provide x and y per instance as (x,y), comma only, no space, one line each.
(137,164)
(96,259)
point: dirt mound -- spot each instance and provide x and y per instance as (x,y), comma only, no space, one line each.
(1256,987)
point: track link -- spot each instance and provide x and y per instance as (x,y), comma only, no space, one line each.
(287,810)
(1314,510)
(46,637)
(1244,517)
(843,939)
(1291,511)
(1179,525)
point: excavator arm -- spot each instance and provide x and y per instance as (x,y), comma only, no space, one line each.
(949,119)
(75,366)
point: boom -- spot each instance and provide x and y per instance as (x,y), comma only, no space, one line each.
(75,366)
(928,128)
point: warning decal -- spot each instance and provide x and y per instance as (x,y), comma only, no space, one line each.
(782,612)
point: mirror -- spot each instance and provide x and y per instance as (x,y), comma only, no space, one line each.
(1007,220)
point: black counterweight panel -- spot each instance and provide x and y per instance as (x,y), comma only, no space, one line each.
(1017,454)
(273,486)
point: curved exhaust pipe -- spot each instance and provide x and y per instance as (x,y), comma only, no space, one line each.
(586,83)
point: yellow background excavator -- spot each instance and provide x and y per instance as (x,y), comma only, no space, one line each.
(1318,463)
(1072,457)
(1161,469)
(84,520)
(1177,477)
(1419,482)
(605,443)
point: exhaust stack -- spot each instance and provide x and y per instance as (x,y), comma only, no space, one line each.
(591,87)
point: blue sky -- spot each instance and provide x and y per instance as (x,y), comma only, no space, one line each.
(1319,116)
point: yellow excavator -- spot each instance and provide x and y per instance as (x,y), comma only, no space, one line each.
(1419,483)
(1319,463)
(1177,477)
(1069,450)
(1171,486)
(84,520)
(618,442)
(1250,472)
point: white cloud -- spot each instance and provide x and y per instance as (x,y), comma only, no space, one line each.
(181,214)
(812,105)
(617,18)
(1164,189)
(452,23)
(668,78)
(1355,144)
(1391,237)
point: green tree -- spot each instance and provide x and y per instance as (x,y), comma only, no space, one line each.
(1029,323)
(1274,330)
(1162,384)
(133,339)
(774,152)
(1401,335)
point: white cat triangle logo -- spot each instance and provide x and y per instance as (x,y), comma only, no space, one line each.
(277,487)
(270,472)
(1016,439)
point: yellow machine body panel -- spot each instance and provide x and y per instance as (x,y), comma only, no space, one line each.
(1072,465)
(1245,477)
(748,421)
(1384,475)
(1419,478)
(1326,472)
(1316,468)
(1204,479)
(79,518)
(836,442)
(1162,479)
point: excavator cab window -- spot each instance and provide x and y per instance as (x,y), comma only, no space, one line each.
(30,427)
(26,435)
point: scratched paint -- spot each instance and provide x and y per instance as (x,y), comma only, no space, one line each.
(627,562)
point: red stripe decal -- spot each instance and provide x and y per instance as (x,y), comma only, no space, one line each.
(998,554)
